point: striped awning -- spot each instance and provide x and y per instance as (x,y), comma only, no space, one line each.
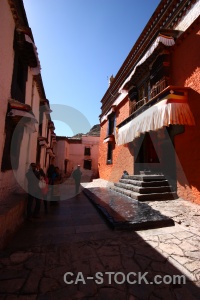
(164,113)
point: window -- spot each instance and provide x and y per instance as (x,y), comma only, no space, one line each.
(159,74)
(20,71)
(144,91)
(111,124)
(149,90)
(40,122)
(87,164)
(139,95)
(65,165)
(14,134)
(87,151)
(111,132)
(109,153)
(38,155)
(19,78)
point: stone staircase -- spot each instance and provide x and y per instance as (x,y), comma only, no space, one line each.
(145,187)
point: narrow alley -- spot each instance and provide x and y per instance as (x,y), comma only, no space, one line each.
(74,237)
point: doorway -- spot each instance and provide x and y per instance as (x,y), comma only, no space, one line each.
(155,152)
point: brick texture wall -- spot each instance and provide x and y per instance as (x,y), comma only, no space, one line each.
(186,72)
(122,158)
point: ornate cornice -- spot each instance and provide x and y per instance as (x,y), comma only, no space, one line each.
(166,16)
(19,16)
(40,87)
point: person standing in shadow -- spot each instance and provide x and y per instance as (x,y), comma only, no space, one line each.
(43,184)
(50,174)
(57,180)
(32,176)
(77,178)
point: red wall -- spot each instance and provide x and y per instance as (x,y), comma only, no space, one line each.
(186,72)
(122,158)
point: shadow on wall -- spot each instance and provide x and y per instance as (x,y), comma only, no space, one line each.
(187,147)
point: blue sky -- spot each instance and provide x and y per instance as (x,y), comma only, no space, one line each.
(81,43)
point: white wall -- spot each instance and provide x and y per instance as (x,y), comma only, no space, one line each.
(28,148)
(7,25)
(74,153)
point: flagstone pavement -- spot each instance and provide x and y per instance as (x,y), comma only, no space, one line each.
(102,263)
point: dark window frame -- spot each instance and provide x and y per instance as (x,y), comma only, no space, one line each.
(111,123)
(87,164)
(110,154)
(20,73)
(87,151)
(14,134)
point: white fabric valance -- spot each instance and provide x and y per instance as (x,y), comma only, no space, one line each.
(29,125)
(110,138)
(22,113)
(167,41)
(119,99)
(43,144)
(162,114)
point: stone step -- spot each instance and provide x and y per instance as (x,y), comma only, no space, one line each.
(145,197)
(145,184)
(122,212)
(145,178)
(144,190)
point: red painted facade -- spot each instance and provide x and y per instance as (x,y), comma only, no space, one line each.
(183,76)
(122,157)
(186,72)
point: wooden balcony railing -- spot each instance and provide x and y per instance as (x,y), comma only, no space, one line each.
(169,90)
(159,87)
(155,90)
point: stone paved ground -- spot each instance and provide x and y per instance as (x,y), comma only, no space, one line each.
(75,238)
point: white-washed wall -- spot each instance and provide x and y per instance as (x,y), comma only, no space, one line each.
(7,25)
(6,64)
(60,154)
(93,143)
(74,152)
(34,136)
(29,142)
